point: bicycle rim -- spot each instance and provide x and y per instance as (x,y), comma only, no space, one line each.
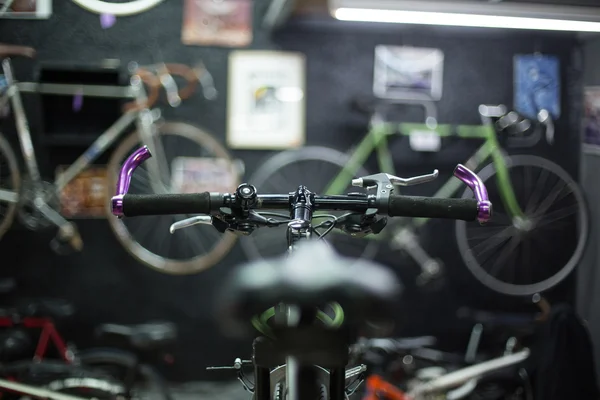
(189,250)
(520,259)
(10,180)
(314,167)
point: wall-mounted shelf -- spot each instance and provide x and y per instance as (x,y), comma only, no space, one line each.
(99,89)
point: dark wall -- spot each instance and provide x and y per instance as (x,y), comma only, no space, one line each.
(588,277)
(107,285)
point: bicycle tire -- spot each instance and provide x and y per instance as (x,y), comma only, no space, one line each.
(196,262)
(132,7)
(102,357)
(264,176)
(511,288)
(15,181)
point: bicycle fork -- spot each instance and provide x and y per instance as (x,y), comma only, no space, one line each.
(67,231)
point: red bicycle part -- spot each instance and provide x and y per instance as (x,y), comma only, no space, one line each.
(379,389)
(48,333)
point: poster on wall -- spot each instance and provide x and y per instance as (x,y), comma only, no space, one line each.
(591,120)
(266,102)
(25,9)
(408,73)
(203,174)
(86,195)
(217,23)
(537,85)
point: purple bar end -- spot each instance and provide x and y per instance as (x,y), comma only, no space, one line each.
(124,181)
(484,206)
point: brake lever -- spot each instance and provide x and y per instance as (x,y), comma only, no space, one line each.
(371,180)
(384,184)
(202,219)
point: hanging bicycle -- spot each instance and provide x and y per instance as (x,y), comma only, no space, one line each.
(183,155)
(542,222)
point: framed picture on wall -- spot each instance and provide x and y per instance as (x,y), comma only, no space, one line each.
(217,23)
(25,9)
(591,120)
(408,73)
(537,84)
(266,100)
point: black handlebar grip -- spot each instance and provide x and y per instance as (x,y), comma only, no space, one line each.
(431,207)
(166,204)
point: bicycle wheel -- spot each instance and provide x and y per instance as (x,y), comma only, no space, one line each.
(118,364)
(315,168)
(522,257)
(10,185)
(189,152)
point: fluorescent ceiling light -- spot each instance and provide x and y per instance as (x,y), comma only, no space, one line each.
(448,13)
(450,19)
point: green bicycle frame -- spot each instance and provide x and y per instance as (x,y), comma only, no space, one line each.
(377,140)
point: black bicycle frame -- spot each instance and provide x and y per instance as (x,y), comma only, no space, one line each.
(299,375)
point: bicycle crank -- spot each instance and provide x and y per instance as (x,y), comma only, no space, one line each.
(31,216)
(431,269)
(39,211)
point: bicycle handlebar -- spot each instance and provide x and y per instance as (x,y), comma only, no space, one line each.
(245,198)
(131,205)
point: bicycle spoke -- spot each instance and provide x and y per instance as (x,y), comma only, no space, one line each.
(507,252)
(278,182)
(547,203)
(511,264)
(495,229)
(159,231)
(140,177)
(499,218)
(489,256)
(528,180)
(144,223)
(537,191)
(494,240)
(526,259)
(195,241)
(558,215)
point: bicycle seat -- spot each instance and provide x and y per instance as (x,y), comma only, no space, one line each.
(310,277)
(46,308)
(10,50)
(148,336)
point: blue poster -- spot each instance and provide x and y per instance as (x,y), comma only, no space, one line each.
(537,85)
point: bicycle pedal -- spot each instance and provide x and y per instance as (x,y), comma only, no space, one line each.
(67,241)
(432,278)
